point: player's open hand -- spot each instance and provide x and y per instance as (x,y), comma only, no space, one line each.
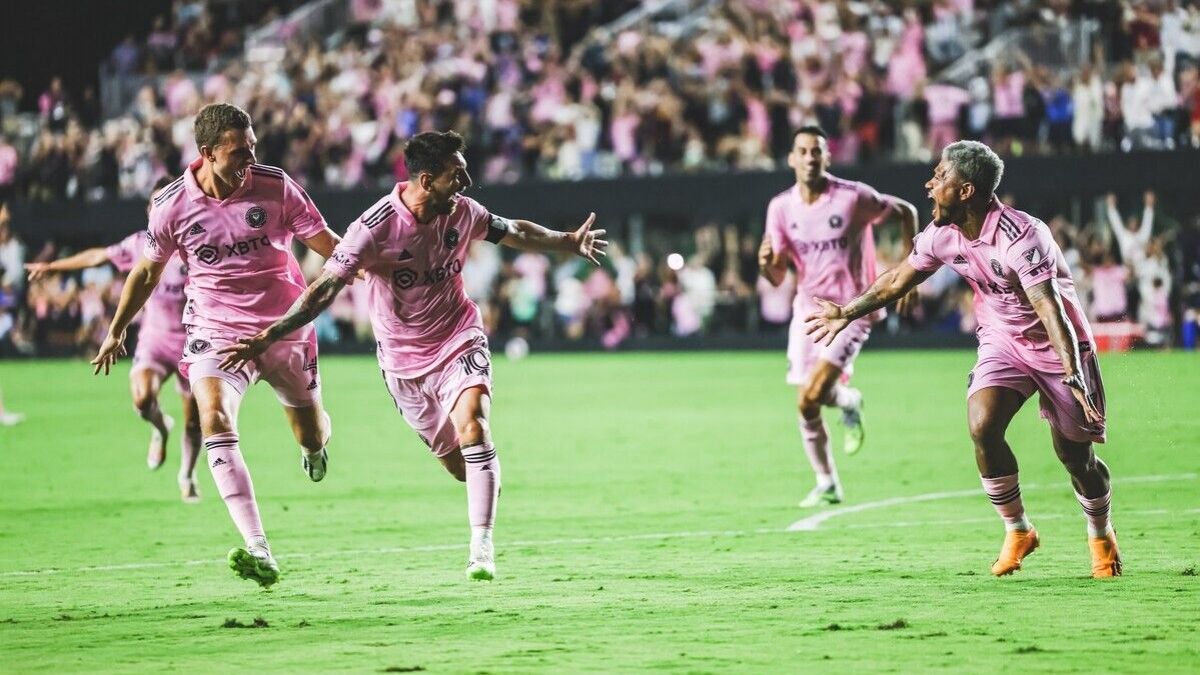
(111,349)
(1086,398)
(37,270)
(588,243)
(241,352)
(825,323)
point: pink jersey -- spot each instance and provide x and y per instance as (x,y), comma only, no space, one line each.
(163,313)
(419,310)
(831,241)
(241,272)
(1014,251)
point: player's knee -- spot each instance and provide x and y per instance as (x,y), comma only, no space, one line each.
(810,405)
(144,404)
(473,429)
(215,422)
(985,431)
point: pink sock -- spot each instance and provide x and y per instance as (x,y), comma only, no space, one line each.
(187,458)
(232,477)
(816,446)
(1005,493)
(483,483)
(1097,513)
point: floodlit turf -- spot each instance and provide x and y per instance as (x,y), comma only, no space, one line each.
(642,527)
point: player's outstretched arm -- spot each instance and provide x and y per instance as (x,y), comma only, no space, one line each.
(1049,307)
(825,323)
(140,283)
(583,242)
(316,298)
(91,257)
(323,242)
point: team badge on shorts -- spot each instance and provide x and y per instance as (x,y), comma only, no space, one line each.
(199,346)
(256,217)
(997,269)
(451,238)
(835,221)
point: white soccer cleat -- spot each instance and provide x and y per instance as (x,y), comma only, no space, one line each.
(10,419)
(315,464)
(822,494)
(255,562)
(482,564)
(188,491)
(156,454)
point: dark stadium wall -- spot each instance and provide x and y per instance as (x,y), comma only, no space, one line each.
(67,38)
(681,199)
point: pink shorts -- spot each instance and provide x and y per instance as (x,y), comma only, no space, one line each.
(425,402)
(803,353)
(159,353)
(289,366)
(997,368)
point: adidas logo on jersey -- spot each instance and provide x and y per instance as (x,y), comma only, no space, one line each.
(959,260)
(405,255)
(195,230)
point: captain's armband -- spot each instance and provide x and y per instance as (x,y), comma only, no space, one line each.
(497,228)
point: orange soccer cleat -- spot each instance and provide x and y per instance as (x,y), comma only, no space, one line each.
(1106,558)
(1017,545)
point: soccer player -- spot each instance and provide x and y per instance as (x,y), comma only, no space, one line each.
(824,227)
(1033,336)
(232,222)
(412,244)
(160,345)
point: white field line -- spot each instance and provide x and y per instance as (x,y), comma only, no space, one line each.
(698,534)
(814,521)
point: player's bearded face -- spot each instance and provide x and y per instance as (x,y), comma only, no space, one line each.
(944,191)
(234,155)
(445,188)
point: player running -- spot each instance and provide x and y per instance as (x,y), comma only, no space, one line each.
(160,344)
(232,222)
(824,226)
(1033,336)
(412,244)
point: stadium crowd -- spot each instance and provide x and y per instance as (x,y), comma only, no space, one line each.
(1134,264)
(540,94)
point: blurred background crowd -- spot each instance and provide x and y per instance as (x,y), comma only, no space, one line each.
(562,90)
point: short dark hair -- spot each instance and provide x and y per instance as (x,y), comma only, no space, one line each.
(215,119)
(431,151)
(163,182)
(811,130)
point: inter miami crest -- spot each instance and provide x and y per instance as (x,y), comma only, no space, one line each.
(451,238)
(256,217)
(997,269)
(199,346)
(835,221)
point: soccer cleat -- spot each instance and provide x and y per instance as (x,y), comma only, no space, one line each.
(481,566)
(827,494)
(188,492)
(256,564)
(10,419)
(315,464)
(1106,558)
(1017,545)
(157,453)
(855,430)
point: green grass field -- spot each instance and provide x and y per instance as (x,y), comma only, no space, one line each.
(642,528)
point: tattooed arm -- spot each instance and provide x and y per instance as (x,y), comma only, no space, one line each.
(316,298)
(1049,307)
(828,321)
